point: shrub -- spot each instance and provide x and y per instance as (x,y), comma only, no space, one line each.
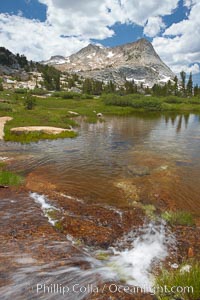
(29,102)
(133,100)
(20,91)
(1,86)
(56,94)
(148,104)
(194,100)
(86,96)
(113,99)
(71,95)
(39,92)
(174,100)
(5,107)
(67,95)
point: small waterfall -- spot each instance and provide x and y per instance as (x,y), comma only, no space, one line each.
(45,206)
(131,261)
(134,265)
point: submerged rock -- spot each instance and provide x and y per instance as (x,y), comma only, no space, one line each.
(138,171)
(130,190)
(96,225)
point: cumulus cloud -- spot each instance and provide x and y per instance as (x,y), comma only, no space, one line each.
(140,11)
(78,21)
(35,39)
(86,19)
(70,25)
(153,26)
(195,69)
(180,44)
(92,18)
(189,3)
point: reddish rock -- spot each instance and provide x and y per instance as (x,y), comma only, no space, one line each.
(190,252)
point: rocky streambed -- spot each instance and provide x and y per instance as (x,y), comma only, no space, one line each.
(56,240)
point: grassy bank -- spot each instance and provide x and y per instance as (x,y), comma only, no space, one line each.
(182,283)
(8,178)
(55,110)
(36,136)
(151,103)
(178,218)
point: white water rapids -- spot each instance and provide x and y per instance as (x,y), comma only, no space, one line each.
(148,246)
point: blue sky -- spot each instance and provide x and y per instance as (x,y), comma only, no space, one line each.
(37,27)
(31,9)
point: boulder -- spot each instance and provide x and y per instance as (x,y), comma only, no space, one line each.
(138,171)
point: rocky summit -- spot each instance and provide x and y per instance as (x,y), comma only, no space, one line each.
(137,61)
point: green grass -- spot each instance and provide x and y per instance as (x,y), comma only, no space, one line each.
(59,226)
(52,213)
(178,218)
(180,278)
(46,113)
(5,107)
(10,179)
(150,211)
(36,136)
(2,164)
(102,256)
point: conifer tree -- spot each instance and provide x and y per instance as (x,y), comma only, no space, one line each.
(183,77)
(190,85)
(176,86)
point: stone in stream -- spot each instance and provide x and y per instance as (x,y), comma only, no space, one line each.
(138,171)
(73,113)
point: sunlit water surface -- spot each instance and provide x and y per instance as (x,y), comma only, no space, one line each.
(89,165)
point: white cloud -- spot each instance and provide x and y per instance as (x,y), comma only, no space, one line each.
(154,26)
(80,21)
(35,39)
(179,46)
(140,11)
(195,69)
(92,18)
(20,13)
(86,19)
(189,3)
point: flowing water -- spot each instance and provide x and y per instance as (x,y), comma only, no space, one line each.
(157,154)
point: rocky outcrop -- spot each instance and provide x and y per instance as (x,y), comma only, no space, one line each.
(13,65)
(43,129)
(135,61)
